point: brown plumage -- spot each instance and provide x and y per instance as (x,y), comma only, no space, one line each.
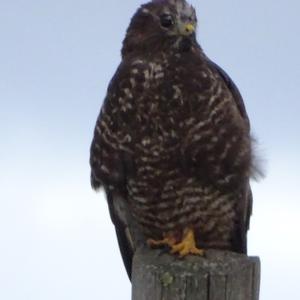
(172,146)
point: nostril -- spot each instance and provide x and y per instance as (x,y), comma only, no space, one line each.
(189,28)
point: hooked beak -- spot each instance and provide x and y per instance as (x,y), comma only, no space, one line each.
(187,29)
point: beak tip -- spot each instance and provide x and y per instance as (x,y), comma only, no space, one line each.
(189,28)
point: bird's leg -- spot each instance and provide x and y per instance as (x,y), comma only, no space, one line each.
(187,245)
(168,240)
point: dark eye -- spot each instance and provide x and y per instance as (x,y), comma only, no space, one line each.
(166,20)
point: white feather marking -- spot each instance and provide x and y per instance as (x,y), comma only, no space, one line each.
(128,93)
(104,169)
(132,82)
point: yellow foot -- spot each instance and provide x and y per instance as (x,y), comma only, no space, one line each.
(187,245)
(168,240)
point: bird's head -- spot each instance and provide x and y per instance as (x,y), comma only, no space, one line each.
(173,17)
(160,23)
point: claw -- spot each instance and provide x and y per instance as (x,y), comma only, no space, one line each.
(169,240)
(187,245)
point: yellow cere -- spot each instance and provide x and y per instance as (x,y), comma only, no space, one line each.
(190,27)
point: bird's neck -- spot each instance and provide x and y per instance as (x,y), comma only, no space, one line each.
(155,46)
(144,35)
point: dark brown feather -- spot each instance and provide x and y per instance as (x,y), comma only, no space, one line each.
(173,140)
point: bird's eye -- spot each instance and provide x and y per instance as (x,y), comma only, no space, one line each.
(166,20)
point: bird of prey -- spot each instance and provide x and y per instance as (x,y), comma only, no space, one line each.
(172,146)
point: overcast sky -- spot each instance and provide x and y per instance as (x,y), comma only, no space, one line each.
(56,59)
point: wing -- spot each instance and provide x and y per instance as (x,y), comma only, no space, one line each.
(233,89)
(110,142)
(120,217)
(240,243)
(111,154)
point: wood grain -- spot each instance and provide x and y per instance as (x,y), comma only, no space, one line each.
(220,275)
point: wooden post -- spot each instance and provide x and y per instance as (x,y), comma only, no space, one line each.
(220,275)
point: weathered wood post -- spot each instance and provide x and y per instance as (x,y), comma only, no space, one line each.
(220,275)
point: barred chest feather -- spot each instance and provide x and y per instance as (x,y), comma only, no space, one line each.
(190,148)
(186,147)
(186,116)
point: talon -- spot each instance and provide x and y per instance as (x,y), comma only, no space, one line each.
(168,240)
(187,245)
